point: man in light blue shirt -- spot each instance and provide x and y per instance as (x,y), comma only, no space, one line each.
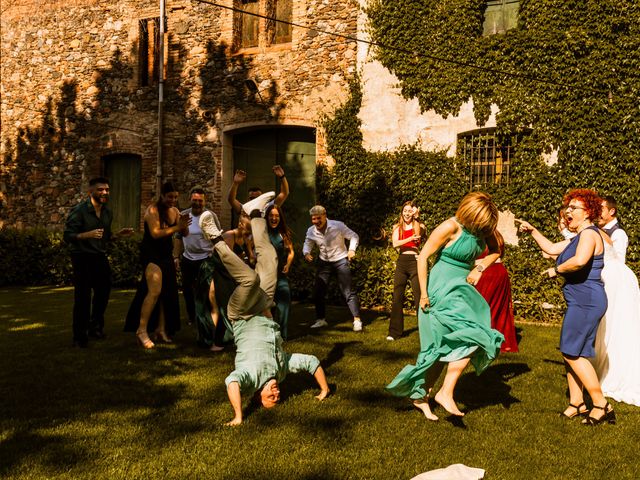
(329,236)
(260,363)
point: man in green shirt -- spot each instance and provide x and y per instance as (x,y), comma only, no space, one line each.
(260,363)
(88,231)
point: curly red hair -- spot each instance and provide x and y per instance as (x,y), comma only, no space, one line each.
(590,199)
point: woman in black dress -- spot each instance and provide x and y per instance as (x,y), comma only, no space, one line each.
(161,221)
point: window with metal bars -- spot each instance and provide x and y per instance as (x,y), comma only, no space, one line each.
(487,156)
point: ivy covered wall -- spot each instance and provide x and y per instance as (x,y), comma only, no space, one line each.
(568,71)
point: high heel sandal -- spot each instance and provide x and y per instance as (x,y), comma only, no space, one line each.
(162,336)
(143,340)
(609,416)
(581,413)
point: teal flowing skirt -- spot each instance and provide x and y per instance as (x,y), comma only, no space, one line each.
(457,325)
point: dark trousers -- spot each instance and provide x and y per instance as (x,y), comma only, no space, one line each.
(90,272)
(406,271)
(323,272)
(190,270)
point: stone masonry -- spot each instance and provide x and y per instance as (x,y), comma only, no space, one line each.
(71,94)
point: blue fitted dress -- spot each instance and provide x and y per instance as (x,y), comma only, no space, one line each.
(458,322)
(586,303)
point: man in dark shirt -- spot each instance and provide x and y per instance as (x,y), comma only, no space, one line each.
(88,231)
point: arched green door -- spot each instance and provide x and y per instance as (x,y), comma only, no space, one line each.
(257,151)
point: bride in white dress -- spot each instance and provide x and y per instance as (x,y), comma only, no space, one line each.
(617,359)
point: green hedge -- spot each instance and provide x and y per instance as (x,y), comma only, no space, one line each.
(39,257)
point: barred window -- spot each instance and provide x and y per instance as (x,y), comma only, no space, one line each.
(500,16)
(487,156)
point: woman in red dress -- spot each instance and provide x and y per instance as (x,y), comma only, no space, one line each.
(495,287)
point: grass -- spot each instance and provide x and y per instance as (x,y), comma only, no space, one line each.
(116,411)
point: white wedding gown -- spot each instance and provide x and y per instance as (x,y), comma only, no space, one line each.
(617,359)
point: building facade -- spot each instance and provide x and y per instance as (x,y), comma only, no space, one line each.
(80,99)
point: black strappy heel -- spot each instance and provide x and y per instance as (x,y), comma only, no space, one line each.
(608,417)
(582,413)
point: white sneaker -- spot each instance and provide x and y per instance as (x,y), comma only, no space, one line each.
(208,226)
(390,338)
(259,203)
(321,322)
(357,326)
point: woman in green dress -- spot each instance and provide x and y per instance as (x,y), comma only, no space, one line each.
(454,320)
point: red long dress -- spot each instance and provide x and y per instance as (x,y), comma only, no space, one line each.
(495,287)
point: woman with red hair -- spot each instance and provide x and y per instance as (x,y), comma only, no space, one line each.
(580,262)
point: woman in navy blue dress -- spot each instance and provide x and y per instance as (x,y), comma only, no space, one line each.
(580,261)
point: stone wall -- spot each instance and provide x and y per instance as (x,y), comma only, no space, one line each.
(71,95)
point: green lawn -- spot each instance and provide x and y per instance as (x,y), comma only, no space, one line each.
(116,411)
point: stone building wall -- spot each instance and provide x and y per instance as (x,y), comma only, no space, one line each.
(71,95)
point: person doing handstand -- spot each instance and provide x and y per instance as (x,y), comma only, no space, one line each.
(261,364)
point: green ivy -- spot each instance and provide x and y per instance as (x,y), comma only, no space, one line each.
(587,107)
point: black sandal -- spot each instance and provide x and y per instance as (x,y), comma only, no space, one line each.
(608,417)
(582,413)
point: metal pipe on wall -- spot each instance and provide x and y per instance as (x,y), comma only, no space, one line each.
(159,156)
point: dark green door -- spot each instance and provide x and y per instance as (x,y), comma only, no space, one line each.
(123,171)
(256,152)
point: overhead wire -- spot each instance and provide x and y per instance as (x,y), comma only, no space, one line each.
(410,52)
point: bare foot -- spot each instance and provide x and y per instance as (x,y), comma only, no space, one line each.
(233,423)
(426,409)
(322,395)
(216,348)
(448,404)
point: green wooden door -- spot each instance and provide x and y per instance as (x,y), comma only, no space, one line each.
(256,152)
(123,171)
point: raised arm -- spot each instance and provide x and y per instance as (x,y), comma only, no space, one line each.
(152,218)
(438,239)
(546,245)
(238,178)
(284,185)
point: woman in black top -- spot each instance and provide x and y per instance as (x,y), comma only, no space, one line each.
(161,221)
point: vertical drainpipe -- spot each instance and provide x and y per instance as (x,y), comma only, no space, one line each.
(160,99)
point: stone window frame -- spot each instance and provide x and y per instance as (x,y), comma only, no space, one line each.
(488,156)
(500,16)
(266,30)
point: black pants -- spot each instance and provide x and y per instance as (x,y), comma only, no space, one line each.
(90,272)
(190,270)
(343,272)
(406,271)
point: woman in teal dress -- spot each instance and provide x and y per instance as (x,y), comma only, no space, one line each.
(280,236)
(454,320)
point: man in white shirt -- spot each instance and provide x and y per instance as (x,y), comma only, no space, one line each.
(190,251)
(609,223)
(329,236)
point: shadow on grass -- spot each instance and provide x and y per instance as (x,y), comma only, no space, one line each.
(491,387)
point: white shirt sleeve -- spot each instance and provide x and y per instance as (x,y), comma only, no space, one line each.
(351,236)
(308,243)
(620,243)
